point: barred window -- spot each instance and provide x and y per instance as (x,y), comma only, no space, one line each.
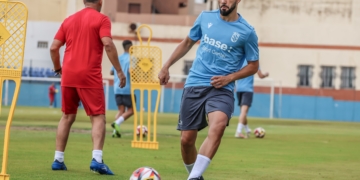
(327,76)
(347,77)
(187,66)
(304,75)
(42,44)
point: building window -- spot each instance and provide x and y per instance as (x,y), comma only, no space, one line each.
(305,74)
(187,66)
(42,44)
(134,8)
(327,76)
(347,77)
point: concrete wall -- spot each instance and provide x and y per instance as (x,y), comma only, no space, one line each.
(123,5)
(154,19)
(40,57)
(291,33)
(327,25)
(168,8)
(287,107)
(51,10)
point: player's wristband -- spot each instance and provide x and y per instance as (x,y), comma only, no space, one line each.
(57,71)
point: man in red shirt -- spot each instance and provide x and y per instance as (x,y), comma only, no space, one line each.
(52,92)
(85,34)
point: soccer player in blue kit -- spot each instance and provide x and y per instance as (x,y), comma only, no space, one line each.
(226,40)
(245,92)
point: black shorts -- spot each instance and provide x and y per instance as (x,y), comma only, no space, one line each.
(124,100)
(197,102)
(245,98)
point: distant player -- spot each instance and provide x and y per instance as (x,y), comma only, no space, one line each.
(52,93)
(85,33)
(226,40)
(122,95)
(244,92)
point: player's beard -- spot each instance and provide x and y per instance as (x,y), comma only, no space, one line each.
(227,12)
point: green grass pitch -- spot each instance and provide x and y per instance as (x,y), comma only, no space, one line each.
(291,149)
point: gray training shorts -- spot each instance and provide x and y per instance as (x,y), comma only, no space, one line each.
(198,101)
(124,100)
(245,98)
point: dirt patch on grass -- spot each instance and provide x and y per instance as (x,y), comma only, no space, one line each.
(33,128)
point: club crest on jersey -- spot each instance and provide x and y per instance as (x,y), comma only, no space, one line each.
(235,36)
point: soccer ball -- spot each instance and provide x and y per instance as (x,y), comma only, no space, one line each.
(144,130)
(145,173)
(259,132)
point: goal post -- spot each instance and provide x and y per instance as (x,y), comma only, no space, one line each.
(274,89)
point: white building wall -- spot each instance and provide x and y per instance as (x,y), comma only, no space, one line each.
(316,22)
(39,31)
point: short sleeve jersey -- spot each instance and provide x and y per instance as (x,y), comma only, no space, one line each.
(52,90)
(82,33)
(223,48)
(124,60)
(245,84)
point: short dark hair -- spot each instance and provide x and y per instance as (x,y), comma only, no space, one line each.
(126,43)
(91,1)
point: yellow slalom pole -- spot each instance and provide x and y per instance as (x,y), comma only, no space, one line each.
(12,45)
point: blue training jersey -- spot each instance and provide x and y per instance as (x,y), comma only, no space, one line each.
(223,48)
(245,84)
(124,61)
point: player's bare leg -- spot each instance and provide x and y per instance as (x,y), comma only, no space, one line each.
(129,112)
(115,124)
(244,109)
(121,110)
(63,131)
(188,149)
(217,124)
(98,138)
(98,131)
(62,137)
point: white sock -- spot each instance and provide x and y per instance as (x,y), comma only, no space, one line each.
(97,155)
(59,156)
(239,128)
(120,120)
(247,129)
(201,163)
(189,167)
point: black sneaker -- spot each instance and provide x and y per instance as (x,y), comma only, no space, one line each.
(199,178)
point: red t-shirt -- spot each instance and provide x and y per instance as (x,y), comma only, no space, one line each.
(52,90)
(82,33)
